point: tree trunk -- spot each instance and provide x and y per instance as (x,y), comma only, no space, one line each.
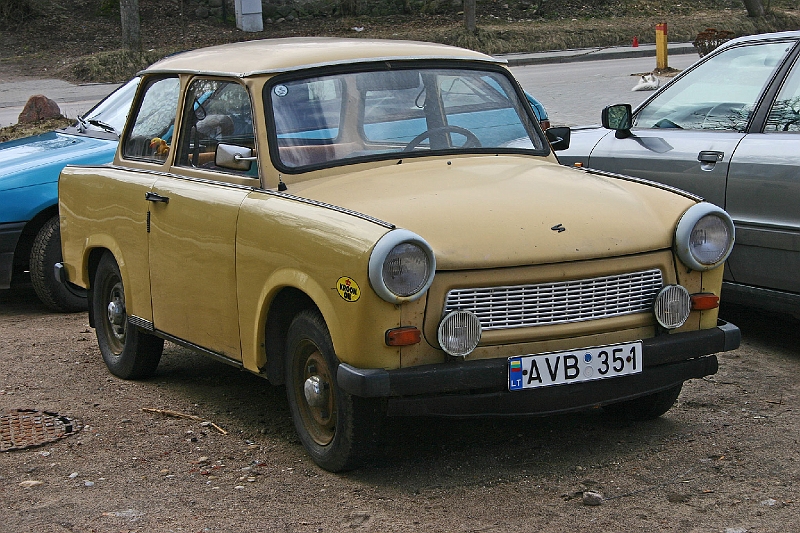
(131,34)
(755,8)
(469,15)
(349,7)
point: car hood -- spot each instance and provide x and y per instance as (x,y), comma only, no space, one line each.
(582,141)
(498,211)
(39,159)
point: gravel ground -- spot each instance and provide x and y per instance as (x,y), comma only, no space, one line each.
(724,459)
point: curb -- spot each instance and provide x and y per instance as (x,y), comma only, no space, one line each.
(593,54)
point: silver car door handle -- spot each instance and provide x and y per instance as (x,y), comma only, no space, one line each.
(710,156)
(709,159)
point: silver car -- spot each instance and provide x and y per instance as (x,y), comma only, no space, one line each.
(728,129)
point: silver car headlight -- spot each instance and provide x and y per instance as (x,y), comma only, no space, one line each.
(401,266)
(704,236)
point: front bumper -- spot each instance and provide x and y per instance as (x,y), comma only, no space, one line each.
(481,387)
(9,237)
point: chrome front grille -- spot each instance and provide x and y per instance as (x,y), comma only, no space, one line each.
(522,306)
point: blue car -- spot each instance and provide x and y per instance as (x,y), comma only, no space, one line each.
(29,169)
(538,110)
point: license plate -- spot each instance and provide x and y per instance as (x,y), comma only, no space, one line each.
(587,364)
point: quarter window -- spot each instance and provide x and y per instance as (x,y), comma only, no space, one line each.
(150,137)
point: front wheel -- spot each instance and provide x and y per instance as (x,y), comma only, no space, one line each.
(646,407)
(45,253)
(128,352)
(337,429)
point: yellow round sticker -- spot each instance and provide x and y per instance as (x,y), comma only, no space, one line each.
(348,289)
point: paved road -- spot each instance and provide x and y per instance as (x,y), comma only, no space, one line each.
(73,99)
(575,93)
(573,84)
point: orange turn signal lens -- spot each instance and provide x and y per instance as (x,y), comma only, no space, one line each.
(704,301)
(577,164)
(404,336)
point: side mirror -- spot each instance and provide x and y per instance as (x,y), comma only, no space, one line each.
(618,117)
(234,157)
(558,137)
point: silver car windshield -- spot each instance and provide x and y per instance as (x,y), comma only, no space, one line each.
(719,94)
(337,118)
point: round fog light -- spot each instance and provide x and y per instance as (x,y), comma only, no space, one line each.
(672,306)
(459,333)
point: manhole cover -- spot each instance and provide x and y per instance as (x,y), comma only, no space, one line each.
(25,428)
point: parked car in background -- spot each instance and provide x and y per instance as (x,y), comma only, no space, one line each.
(539,111)
(387,236)
(727,129)
(29,169)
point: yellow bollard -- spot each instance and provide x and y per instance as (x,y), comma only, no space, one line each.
(661,46)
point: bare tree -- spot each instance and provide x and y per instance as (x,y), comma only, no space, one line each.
(131,34)
(755,8)
(469,15)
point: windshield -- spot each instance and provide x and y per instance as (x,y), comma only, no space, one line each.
(111,111)
(338,118)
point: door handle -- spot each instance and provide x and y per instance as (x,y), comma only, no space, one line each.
(710,156)
(153,197)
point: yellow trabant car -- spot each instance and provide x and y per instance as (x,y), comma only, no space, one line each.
(383,227)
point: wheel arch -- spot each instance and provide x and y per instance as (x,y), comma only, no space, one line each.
(22,252)
(287,293)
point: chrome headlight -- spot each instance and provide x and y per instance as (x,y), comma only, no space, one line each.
(459,333)
(704,236)
(672,306)
(401,266)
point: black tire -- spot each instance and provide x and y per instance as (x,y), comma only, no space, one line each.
(646,407)
(45,253)
(338,430)
(129,353)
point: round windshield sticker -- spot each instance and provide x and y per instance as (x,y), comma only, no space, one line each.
(348,289)
(281,90)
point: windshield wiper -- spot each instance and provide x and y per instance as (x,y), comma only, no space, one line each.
(105,126)
(82,126)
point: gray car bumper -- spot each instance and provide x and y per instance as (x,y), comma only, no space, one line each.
(9,237)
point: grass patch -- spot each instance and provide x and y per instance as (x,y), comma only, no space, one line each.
(114,66)
(16,131)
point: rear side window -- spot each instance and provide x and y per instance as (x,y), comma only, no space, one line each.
(153,121)
(785,112)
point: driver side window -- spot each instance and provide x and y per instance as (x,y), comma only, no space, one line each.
(217,112)
(719,94)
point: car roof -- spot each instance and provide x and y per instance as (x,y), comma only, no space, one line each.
(281,55)
(763,37)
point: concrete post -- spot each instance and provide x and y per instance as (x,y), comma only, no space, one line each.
(661,46)
(248,15)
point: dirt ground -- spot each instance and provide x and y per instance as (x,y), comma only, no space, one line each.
(724,459)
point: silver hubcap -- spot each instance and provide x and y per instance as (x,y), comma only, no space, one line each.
(316,392)
(116,312)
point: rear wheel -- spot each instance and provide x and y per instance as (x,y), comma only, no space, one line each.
(337,429)
(128,352)
(646,407)
(45,253)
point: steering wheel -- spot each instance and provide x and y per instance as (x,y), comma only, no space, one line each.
(471,142)
(725,116)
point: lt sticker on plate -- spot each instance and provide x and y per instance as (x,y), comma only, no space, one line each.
(348,289)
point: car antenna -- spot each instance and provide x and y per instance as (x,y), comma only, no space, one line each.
(281,185)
